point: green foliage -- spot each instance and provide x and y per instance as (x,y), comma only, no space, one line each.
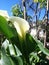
(42,3)
(9,60)
(17,11)
(28,47)
(33,58)
(39,1)
(35,0)
(5,59)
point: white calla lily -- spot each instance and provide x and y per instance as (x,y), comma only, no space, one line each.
(21,25)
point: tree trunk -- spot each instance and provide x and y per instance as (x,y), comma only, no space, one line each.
(47,25)
(37,23)
(24,6)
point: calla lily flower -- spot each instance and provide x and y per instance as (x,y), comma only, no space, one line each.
(21,25)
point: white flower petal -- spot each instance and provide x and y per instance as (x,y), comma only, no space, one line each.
(21,25)
(17,28)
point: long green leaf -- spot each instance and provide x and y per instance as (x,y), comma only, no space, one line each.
(4,28)
(32,43)
(41,47)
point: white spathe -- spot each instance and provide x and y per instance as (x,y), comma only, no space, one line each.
(21,25)
(4,13)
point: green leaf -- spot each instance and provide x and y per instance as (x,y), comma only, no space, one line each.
(4,28)
(39,1)
(17,60)
(10,60)
(41,47)
(30,43)
(41,5)
(17,51)
(35,0)
(33,57)
(12,50)
(5,44)
(5,59)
